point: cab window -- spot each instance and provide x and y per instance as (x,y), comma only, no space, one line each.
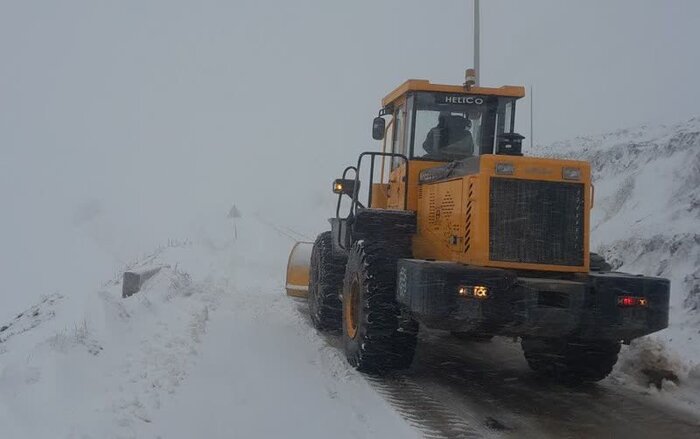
(509,120)
(399,135)
(452,127)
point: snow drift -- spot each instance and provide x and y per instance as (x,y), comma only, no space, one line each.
(89,364)
(646,219)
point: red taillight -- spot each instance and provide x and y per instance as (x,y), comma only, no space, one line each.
(628,301)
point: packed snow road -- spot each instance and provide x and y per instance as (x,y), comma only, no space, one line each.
(459,389)
(263,373)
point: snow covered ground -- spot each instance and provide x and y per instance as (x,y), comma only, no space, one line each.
(89,364)
(81,362)
(646,219)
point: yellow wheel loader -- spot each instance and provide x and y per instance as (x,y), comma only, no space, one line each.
(454,229)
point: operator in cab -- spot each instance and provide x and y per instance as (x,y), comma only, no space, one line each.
(450,139)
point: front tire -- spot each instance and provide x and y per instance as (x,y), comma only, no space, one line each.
(325,282)
(571,361)
(377,336)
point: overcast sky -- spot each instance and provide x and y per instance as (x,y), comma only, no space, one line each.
(154,111)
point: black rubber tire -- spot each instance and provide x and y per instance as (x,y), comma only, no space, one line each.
(325,283)
(385,338)
(598,263)
(571,361)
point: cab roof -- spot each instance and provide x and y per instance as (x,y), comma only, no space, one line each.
(513,91)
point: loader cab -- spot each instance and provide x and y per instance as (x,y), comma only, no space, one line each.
(453,127)
(443,127)
(433,124)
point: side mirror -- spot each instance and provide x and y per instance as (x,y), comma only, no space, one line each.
(510,144)
(378,127)
(344,186)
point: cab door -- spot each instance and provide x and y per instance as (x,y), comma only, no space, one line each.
(397,172)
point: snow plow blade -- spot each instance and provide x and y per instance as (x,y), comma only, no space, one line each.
(298,269)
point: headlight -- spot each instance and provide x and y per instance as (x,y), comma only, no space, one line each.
(505,168)
(571,174)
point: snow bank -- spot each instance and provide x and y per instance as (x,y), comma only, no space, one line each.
(648,361)
(89,364)
(646,219)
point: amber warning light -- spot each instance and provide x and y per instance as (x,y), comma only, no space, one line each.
(477,291)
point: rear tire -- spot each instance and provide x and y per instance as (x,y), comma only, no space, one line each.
(571,361)
(377,336)
(325,282)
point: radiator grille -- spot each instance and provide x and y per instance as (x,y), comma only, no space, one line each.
(536,222)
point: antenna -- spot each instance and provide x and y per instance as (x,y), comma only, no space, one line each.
(477,69)
(532,116)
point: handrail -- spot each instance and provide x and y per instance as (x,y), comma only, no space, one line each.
(340,198)
(373,155)
(356,187)
(340,195)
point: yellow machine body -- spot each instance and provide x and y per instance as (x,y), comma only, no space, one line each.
(450,227)
(453,212)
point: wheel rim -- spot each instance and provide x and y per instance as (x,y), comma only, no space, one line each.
(352,309)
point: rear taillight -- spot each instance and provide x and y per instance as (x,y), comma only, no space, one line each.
(631,301)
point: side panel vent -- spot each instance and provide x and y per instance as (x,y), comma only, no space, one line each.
(447,206)
(432,208)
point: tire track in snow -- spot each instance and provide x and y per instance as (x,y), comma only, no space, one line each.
(431,417)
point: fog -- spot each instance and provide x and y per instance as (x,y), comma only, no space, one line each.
(123,124)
